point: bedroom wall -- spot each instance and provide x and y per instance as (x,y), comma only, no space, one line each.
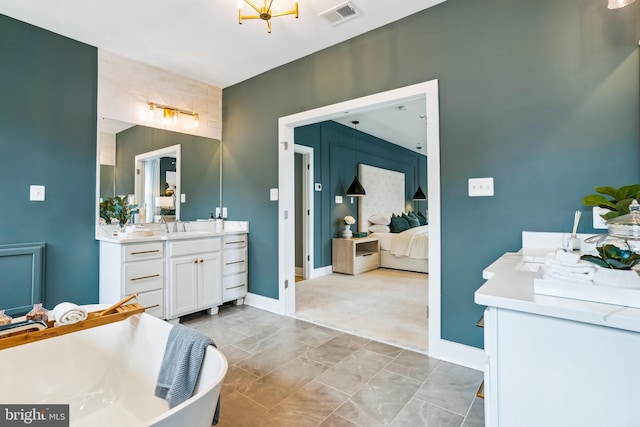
(541,95)
(335,167)
(48,85)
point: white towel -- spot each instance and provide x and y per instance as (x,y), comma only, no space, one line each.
(67,313)
(558,274)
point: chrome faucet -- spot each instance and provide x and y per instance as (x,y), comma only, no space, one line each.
(166,226)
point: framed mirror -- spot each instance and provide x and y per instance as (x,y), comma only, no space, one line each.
(194,179)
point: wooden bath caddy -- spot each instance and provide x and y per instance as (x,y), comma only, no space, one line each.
(117,312)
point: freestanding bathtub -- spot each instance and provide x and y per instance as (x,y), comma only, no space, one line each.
(108,375)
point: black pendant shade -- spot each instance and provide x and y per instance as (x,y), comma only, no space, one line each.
(419,194)
(355,189)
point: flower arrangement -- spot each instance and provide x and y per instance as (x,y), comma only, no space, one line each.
(349,220)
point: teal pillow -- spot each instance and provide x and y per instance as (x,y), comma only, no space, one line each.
(413,222)
(421,218)
(398,224)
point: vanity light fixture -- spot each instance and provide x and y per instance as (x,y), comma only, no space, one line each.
(355,189)
(265,12)
(617,4)
(170,113)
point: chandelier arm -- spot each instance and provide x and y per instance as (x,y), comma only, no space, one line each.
(251,17)
(268,8)
(291,12)
(269,26)
(253,6)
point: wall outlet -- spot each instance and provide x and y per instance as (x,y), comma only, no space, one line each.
(318,186)
(480,187)
(273,194)
(338,199)
(183,198)
(598,222)
(224,212)
(217,212)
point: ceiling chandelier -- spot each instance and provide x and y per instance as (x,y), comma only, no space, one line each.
(265,12)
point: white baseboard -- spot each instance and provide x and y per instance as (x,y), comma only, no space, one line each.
(460,354)
(322,271)
(264,303)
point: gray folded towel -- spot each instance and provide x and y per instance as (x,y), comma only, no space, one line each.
(181,364)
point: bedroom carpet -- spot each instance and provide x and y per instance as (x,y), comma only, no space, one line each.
(386,305)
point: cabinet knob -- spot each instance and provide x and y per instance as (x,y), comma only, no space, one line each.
(201,261)
(195,262)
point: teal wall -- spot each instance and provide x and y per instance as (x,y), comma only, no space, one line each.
(335,166)
(541,95)
(48,86)
(200,158)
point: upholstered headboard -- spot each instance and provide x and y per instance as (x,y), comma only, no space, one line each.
(385,193)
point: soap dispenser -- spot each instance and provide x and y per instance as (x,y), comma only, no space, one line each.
(4,318)
(38,313)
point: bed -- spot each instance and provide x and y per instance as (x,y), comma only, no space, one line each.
(408,250)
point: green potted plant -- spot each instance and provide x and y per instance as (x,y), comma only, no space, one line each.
(618,201)
(117,208)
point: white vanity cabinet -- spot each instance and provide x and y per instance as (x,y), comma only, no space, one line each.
(193,276)
(234,268)
(552,361)
(128,268)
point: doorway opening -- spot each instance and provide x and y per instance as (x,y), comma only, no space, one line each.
(304,188)
(428,91)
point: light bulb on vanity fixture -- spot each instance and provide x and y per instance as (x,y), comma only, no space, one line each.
(172,114)
(617,4)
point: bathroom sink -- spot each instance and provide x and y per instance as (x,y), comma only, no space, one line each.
(528,266)
(188,235)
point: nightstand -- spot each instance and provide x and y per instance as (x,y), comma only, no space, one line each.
(355,255)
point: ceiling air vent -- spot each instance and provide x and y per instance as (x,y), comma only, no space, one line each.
(341,13)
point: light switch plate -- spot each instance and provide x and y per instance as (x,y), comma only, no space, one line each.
(480,187)
(217,212)
(318,186)
(224,212)
(273,194)
(598,222)
(183,198)
(36,193)
(338,199)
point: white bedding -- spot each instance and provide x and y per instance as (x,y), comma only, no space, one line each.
(412,243)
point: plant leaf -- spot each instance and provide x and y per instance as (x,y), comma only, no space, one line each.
(609,191)
(597,200)
(596,260)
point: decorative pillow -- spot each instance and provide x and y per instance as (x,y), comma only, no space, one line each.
(377,228)
(413,222)
(422,218)
(398,224)
(379,219)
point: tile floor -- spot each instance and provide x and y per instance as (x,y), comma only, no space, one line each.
(287,372)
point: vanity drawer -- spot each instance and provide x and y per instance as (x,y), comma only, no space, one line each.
(143,276)
(234,241)
(234,261)
(149,299)
(141,251)
(195,246)
(234,287)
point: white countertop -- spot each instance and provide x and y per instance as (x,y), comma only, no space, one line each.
(511,288)
(194,230)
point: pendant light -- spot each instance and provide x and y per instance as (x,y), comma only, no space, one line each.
(419,195)
(355,189)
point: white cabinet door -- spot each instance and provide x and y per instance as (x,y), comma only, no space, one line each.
(183,276)
(209,286)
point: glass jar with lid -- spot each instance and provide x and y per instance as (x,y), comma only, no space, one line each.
(620,247)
